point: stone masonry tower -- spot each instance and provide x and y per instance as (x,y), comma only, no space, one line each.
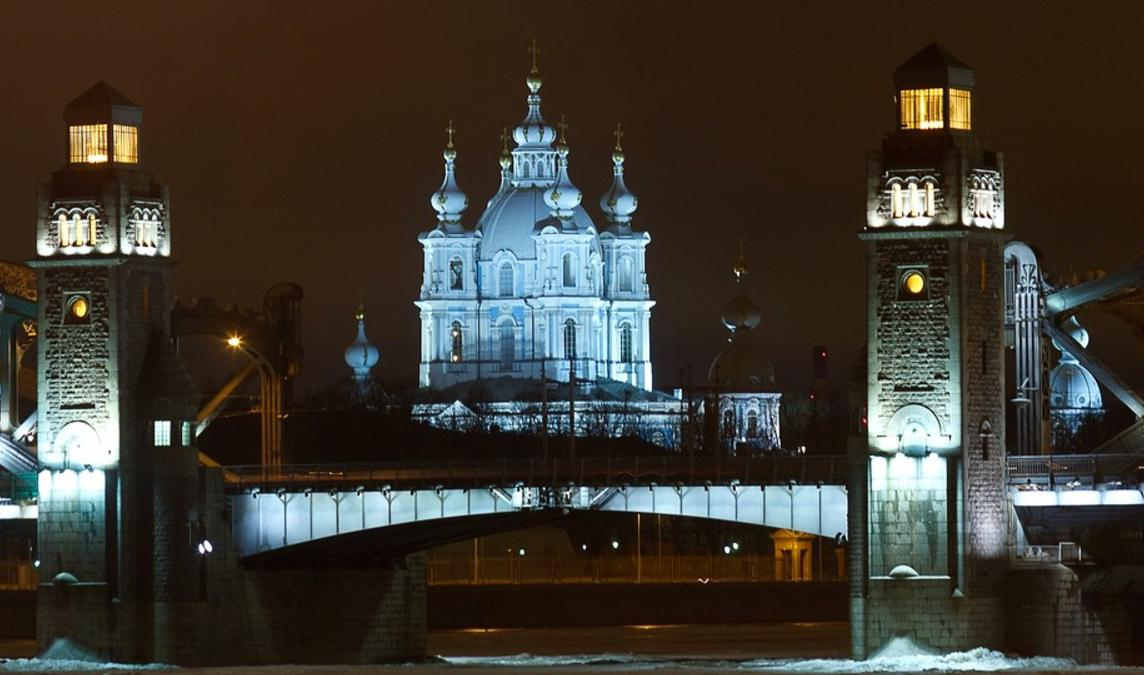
(927,523)
(109,434)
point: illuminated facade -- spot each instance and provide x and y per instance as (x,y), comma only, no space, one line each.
(114,404)
(929,531)
(535,289)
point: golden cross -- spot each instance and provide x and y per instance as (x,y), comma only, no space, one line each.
(619,136)
(535,52)
(504,139)
(741,264)
(450,131)
(563,127)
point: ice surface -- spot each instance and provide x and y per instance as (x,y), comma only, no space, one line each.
(532,661)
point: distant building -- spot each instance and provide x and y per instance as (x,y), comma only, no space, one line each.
(535,289)
(741,380)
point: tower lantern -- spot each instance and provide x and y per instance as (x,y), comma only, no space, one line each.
(102,127)
(934,91)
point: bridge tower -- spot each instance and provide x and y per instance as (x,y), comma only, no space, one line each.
(112,429)
(928,518)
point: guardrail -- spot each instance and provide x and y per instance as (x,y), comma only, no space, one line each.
(1074,470)
(481,473)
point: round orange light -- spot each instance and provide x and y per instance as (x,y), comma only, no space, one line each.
(914,283)
(78,308)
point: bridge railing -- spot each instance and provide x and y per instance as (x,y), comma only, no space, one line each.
(601,471)
(1049,471)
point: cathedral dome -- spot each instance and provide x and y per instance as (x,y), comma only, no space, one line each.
(741,313)
(1072,387)
(510,220)
(361,356)
(741,368)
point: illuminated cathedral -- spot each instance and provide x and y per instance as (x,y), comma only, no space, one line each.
(535,289)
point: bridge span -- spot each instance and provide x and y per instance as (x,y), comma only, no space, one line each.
(351,512)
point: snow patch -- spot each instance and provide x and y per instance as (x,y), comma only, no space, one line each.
(902,654)
(533,661)
(66,656)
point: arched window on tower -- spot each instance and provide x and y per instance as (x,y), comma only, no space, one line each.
(569,270)
(458,351)
(77,231)
(64,232)
(627,275)
(456,275)
(752,424)
(570,339)
(507,344)
(625,342)
(915,201)
(931,199)
(897,209)
(91,227)
(505,282)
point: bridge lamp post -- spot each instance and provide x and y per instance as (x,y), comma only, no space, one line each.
(234,341)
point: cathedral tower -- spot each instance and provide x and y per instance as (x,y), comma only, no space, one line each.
(927,520)
(113,413)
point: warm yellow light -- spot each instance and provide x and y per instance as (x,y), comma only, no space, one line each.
(78,308)
(87,143)
(922,108)
(234,341)
(914,283)
(126,143)
(959,109)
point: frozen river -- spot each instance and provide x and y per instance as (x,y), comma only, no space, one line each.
(770,648)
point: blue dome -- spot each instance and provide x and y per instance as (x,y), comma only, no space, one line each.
(1072,387)
(511,218)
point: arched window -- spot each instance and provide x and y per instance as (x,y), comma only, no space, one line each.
(507,345)
(728,423)
(456,275)
(77,231)
(915,205)
(931,206)
(752,424)
(458,338)
(569,270)
(570,339)
(627,275)
(91,229)
(896,208)
(65,234)
(625,343)
(504,283)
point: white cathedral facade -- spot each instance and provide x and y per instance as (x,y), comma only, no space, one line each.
(535,288)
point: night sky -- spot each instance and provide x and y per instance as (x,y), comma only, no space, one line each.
(301,142)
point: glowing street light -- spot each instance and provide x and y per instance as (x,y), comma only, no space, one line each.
(615,544)
(234,341)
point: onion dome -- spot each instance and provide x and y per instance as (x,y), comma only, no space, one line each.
(532,130)
(741,367)
(618,203)
(449,201)
(1071,386)
(563,197)
(361,356)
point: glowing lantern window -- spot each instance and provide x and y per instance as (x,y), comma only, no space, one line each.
(922,108)
(959,109)
(87,144)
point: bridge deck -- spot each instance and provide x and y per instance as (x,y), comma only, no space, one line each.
(482,473)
